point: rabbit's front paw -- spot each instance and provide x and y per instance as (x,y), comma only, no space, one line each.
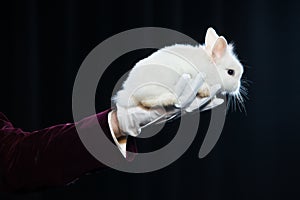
(204,91)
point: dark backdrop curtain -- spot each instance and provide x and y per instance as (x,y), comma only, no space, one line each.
(44,42)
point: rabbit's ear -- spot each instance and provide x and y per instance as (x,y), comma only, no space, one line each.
(219,48)
(210,38)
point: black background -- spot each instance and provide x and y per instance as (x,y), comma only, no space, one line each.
(43,44)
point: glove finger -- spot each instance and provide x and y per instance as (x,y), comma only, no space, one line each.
(197,83)
(190,91)
(197,103)
(214,89)
(193,88)
(157,120)
(214,103)
(181,84)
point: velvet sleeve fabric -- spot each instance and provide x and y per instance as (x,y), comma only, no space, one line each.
(50,157)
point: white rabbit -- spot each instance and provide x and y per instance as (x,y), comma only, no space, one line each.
(151,82)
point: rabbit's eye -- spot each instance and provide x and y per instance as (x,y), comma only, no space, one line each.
(230,72)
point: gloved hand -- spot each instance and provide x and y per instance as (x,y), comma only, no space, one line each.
(199,102)
(132,120)
(189,90)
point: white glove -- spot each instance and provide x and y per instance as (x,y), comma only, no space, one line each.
(132,120)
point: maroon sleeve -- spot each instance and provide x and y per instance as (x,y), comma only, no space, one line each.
(51,157)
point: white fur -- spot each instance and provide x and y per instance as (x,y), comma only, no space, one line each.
(151,82)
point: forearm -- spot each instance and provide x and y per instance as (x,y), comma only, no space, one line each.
(50,157)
